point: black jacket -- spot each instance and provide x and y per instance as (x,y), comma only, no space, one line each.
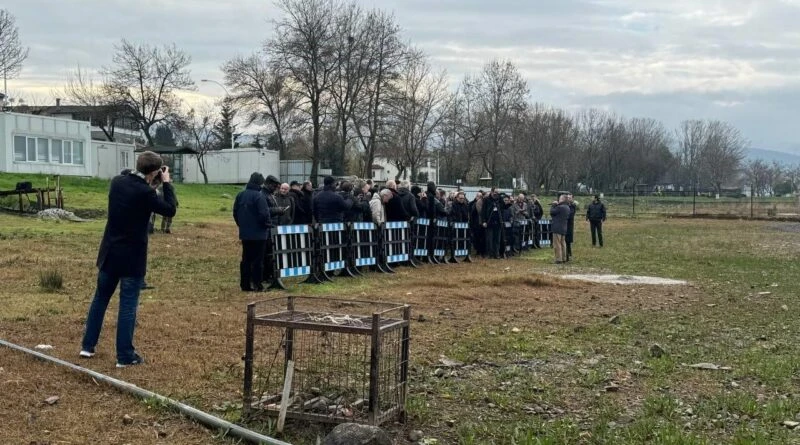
(131,201)
(596,211)
(538,211)
(492,212)
(251,213)
(459,212)
(275,212)
(329,206)
(395,210)
(302,207)
(409,203)
(560,215)
(287,217)
(571,222)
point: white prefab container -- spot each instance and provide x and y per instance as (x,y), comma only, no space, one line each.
(112,158)
(232,166)
(45,145)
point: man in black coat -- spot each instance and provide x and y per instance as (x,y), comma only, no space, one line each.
(302,204)
(329,206)
(408,200)
(251,213)
(395,210)
(492,221)
(271,183)
(122,257)
(460,209)
(559,214)
(596,215)
(538,212)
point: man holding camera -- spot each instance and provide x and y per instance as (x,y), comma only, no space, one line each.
(122,257)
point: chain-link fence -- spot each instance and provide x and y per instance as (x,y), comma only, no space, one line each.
(631,205)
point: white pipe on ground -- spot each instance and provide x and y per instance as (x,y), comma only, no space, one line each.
(196,414)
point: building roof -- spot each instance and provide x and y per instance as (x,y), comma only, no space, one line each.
(165,150)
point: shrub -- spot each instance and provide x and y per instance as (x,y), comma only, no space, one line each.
(51,280)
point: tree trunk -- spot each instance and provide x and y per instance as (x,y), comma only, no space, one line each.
(315,143)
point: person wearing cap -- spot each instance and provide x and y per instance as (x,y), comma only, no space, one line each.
(596,215)
(251,213)
(300,214)
(122,256)
(329,206)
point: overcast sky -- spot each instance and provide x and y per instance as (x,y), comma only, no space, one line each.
(734,60)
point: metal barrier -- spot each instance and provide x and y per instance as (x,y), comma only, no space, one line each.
(507,239)
(331,250)
(525,234)
(440,238)
(395,244)
(461,243)
(364,246)
(419,250)
(293,254)
(545,233)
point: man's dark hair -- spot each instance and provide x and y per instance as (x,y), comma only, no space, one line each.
(148,162)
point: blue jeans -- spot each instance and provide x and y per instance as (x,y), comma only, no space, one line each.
(129,288)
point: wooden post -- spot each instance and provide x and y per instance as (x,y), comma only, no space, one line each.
(374,369)
(248,360)
(20,203)
(404,362)
(287,389)
(289,350)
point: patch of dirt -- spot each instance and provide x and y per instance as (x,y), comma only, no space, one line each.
(627,280)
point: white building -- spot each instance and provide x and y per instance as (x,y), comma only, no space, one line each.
(54,146)
(383,170)
(231,166)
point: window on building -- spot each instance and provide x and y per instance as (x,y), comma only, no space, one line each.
(31,150)
(20,151)
(77,152)
(43,150)
(67,159)
(55,151)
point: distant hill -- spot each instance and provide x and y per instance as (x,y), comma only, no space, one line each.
(772,155)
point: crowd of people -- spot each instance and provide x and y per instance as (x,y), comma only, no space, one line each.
(495,219)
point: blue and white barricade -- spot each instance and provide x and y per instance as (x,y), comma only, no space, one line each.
(293,253)
(525,234)
(545,233)
(460,242)
(364,246)
(507,238)
(441,236)
(419,240)
(395,244)
(332,249)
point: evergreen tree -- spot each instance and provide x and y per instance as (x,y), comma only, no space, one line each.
(164,136)
(225,129)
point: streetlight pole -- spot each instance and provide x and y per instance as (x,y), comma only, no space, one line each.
(233,145)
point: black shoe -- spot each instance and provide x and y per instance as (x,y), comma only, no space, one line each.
(147,287)
(137,360)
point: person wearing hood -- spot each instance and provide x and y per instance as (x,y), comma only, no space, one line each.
(251,213)
(329,206)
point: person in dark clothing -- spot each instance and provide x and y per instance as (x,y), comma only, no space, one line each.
(363,196)
(596,215)
(395,210)
(286,202)
(573,208)
(460,209)
(538,213)
(122,256)
(476,224)
(358,209)
(251,213)
(329,206)
(302,212)
(271,183)
(308,196)
(416,191)
(492,222)
(408,200)
(559,214)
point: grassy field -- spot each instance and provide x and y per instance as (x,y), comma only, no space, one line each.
(546,361)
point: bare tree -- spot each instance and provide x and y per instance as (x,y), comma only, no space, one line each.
(12,53)
(417,108)
(304,48)
(195,129)
(82,89)
(386,55)
(690,137)
(500,93)
(265,95)
(722,154)
(144,79)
